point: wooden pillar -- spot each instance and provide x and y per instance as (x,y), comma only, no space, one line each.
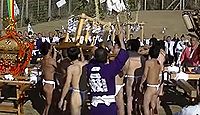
(180,4)
(80,26)
(171,4)
(145,4)
(22,13)
(97,8)
(67,37)
(26,9)
(87,35)
(49,10)
(128,32)
(162,4)
(142,34)
(38,8)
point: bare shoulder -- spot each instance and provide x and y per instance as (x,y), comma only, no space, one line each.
(148,62)
(75,67)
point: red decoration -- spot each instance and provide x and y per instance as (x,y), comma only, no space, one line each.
(22,57)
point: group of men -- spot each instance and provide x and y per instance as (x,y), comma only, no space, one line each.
(106,76)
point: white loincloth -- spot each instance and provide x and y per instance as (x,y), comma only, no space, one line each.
(118,87)
(49,82)
(107,100)
(156,86)
(132,76)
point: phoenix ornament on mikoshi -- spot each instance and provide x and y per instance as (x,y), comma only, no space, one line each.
(15,51)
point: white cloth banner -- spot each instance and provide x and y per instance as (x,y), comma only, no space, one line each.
(60,3)
(16,9)
(30,29)
(116,5)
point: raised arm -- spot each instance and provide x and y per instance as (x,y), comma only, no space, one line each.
(120,34)
(118,63)
(82,57)
(54,52)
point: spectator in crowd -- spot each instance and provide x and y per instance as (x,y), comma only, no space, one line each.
(190,56)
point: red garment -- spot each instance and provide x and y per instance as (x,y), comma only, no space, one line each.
(194,60)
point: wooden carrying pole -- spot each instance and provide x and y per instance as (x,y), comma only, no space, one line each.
(80,27)
(87,36)
(94,20)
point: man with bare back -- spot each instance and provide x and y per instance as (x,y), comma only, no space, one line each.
(61,70)
(48,68)
(133,69)
(74,72)
(151,76)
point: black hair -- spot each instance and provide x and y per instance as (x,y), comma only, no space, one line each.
(73,53)
(133,44)
(153,41)
(192,35)
(154,51)
(45,48)
(161,43)
(117,42)
(101,55)
(64,53)
(30,33)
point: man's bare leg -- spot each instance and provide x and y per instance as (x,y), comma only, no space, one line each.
(76,104)
(48,89)
(129,84)
(148,99)
(120,102)
(154,105)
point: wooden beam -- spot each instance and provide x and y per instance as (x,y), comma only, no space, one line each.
(95,20)
(176,6)
(171,4)
(187,88)
(80,27)
(15,82)
(190,76)
(142,34)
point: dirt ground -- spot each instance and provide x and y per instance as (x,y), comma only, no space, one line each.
(172,102)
